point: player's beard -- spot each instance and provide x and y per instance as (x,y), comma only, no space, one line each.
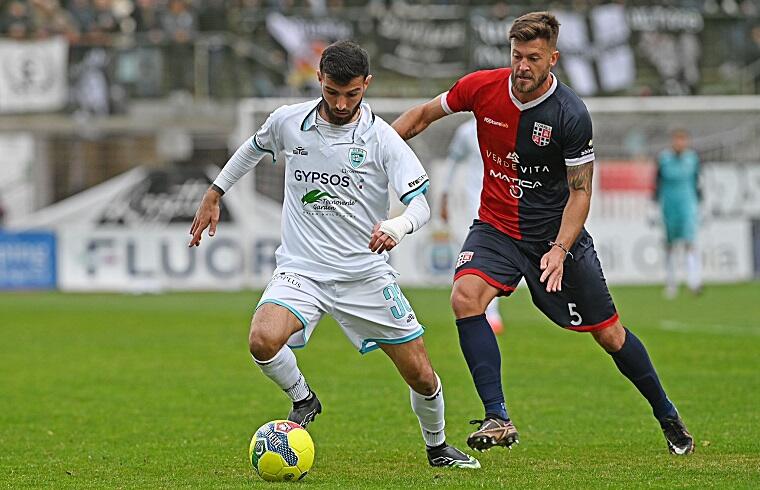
(339,119)
(531,87)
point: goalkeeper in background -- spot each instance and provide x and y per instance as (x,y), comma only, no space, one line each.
(677,191)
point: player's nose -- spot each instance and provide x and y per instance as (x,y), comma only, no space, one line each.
(523,68)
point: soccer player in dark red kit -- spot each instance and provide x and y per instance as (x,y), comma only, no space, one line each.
(535,139)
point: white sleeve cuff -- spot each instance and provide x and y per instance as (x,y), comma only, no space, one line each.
(445,103)
(572,162)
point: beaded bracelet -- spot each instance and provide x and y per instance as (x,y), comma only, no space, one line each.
(557,244)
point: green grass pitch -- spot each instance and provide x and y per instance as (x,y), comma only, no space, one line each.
(158,391)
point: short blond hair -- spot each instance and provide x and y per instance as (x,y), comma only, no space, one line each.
(535,25)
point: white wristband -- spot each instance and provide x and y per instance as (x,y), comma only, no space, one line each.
(396,228)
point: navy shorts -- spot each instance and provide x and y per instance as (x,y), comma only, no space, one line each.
(584,304)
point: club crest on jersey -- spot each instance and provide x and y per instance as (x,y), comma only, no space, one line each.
(542,134)
(357,156)
(464,257)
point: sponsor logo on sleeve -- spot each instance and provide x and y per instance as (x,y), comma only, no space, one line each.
(463,258)
(422,178)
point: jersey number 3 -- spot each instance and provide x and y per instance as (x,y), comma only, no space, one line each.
(401,306)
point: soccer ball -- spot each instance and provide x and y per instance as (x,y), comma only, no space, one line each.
(281,450)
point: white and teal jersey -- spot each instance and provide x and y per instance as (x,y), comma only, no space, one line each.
(335,191)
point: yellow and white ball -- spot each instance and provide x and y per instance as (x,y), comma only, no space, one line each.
(281,450)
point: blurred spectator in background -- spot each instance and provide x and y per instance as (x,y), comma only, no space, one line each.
(678,194)
(51,19)
(82,14)
(15,21)
(212,16)
(179,24)
(214,20)
(91,90)
(753,56)
(104,23)
(84,19)
(147,16)
(148,56)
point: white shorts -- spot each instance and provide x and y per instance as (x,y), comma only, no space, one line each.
(370,311)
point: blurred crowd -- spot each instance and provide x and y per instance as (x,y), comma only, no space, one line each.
(93,22)
(153,47)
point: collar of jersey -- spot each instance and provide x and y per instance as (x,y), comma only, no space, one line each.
(366,120)
(534,102)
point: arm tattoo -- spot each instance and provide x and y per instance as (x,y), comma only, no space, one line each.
(579,177)
(411,134)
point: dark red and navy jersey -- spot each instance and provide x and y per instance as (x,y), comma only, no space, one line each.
(525,148)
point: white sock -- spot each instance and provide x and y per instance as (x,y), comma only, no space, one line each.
(429,411)
(694,268)
(492,311)
(671,282)
(283,370)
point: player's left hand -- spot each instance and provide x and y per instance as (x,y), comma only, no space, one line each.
(552,263)
(380,242)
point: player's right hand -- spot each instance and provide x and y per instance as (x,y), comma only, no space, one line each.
(379,241)
(207,216)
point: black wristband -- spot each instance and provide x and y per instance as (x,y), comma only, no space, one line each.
(217,189)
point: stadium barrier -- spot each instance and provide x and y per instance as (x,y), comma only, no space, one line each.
(28,260)
(124,235)
(130,233)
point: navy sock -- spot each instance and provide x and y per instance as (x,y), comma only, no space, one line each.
(481,351)
(633,361)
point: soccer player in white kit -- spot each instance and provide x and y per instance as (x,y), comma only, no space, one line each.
(340,160)
(464,151)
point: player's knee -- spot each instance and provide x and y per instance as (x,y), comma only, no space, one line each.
(465,303)
(611,338)
(262,344)
(424,381)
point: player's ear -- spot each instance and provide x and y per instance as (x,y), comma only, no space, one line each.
(554,58)
(319,76)
(367,81)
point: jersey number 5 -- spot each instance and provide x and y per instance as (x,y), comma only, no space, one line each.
(402,306)
(576,317)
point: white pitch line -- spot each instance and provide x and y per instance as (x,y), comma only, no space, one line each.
(717,328)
